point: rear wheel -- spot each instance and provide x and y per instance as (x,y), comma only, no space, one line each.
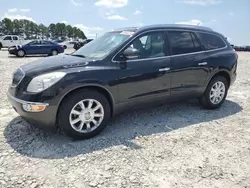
(20,53)
(1,46)
(84,114)
(215,93)
(54,52)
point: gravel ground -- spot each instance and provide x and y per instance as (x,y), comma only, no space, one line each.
(173,145)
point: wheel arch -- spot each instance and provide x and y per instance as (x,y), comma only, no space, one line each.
(52,49)
(25,53)
(99,88)
(223,73)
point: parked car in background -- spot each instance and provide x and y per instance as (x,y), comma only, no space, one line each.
(36,47)
(247,49)
(122,69)
(78,45)
(10,40)
(61,42)
(242,48)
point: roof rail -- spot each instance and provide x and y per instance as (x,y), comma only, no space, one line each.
(126,28)
(197,26)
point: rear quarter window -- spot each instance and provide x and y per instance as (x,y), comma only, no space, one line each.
(15,38)
(210,41)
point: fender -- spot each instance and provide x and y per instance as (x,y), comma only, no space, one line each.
(216,71)
(81,86)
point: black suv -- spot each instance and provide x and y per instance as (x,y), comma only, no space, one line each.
(124,68)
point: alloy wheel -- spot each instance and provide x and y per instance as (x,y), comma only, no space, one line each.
(54,52)
(86,115)
(20,53)
(217,92)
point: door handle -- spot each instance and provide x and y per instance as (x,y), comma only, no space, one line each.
(164,69)
(203,63)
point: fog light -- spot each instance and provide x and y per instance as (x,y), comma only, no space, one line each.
(33,108)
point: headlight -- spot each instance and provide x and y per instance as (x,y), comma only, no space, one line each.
(44,81)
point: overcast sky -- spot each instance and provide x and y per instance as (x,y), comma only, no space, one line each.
(229,17)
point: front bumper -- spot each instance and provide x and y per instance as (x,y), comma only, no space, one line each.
(233,79)
(45,119)
(12,51)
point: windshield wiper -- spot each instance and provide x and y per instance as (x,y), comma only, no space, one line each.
(78,55)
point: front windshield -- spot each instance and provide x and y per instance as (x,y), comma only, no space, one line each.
(103,45)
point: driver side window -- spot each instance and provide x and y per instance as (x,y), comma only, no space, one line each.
(33,43)
(150,45)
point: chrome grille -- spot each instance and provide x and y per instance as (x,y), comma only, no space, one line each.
(17,77)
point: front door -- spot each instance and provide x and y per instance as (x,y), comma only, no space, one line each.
(46,47)
(188,64)
(145,77)
(33,47)
(7,41)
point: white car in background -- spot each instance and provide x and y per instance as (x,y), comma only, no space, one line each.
(10,40)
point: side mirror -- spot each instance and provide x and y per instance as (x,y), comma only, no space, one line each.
(131,53)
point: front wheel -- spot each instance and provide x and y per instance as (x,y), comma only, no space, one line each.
(84,114)
(215,93)
(20,53)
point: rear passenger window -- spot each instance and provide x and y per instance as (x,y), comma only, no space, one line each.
(210,41)
(45,43)
(183,42)
(15,38)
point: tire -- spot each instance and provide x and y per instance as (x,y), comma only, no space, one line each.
(65,47)
(54,52)
(20,53)
(1,46)
(210,103)
(66,118)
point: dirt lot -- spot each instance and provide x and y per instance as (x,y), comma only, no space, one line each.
(178,145)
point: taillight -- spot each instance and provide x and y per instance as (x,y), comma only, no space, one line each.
(236,54)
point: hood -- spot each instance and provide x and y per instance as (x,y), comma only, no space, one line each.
(55,62)
(17,46)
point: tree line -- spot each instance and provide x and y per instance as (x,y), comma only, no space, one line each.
(32,30)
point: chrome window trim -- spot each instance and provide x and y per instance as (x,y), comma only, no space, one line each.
(169,56)
(199,52)
(147,59)
(26,102)
(20,79)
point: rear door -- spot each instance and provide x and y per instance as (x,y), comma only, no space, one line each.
(46,47)
(188,64)
(214,45)
(15,40)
